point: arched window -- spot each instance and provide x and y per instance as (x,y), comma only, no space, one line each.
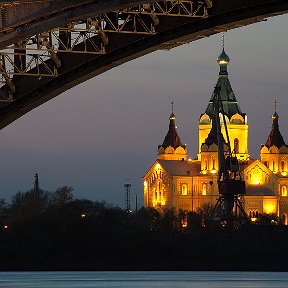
(265,163)
(204,189)
(213,164)
(236,146)
(184,189)
(284,191)
(282,166)
(273,166)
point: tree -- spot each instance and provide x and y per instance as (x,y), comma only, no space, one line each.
(62,196)
(205,211)
(3,207)
(268,219)
(29,203)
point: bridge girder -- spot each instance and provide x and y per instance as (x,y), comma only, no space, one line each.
(77,68)
(34,17)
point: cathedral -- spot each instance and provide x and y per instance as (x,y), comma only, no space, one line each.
(175,180)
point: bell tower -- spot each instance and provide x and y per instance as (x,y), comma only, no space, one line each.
(237,123)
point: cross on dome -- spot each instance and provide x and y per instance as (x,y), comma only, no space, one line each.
(275,116)
(275,105)
(172,116)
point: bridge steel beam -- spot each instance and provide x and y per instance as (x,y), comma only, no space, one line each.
(79,68)
(57,13)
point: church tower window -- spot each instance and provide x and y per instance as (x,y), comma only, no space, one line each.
(273,166)
(213,164)
(236,146)
(204,189)
(184,189)
(265,163)
(284,191)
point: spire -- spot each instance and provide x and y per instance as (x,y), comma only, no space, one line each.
(275,138)
(172,116)
(172,139)
(275,115)
(227,95)
(223,59)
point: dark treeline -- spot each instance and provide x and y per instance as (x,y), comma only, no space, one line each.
(54,231)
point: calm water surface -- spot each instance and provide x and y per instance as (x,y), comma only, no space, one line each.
(144,279)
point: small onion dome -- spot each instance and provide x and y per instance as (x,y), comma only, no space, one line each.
(223,58)
(275,116)
(172,116)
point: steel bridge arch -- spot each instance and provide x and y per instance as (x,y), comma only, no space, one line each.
(57,14)
(30,93)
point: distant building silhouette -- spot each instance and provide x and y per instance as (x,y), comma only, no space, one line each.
(36,185)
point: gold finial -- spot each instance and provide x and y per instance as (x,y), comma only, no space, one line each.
(275,106)
(172,116)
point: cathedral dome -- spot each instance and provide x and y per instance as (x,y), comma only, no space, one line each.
(223,58)
(172,147)
(275,138)
(275,116)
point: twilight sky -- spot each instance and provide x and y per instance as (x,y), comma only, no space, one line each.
(107,129)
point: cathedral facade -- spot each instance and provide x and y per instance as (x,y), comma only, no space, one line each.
(175,180)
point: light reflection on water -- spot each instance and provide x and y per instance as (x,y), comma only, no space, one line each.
(144,279)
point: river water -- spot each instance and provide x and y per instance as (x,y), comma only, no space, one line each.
(144,279)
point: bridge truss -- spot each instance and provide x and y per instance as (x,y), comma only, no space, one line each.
(50,46)
(40,55)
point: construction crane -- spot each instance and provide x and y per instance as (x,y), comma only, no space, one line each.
(230,184)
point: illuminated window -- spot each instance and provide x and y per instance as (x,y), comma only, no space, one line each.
(236,145)
(184,189)
(273,166)
(282,166)
(204,189)
(284,191)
